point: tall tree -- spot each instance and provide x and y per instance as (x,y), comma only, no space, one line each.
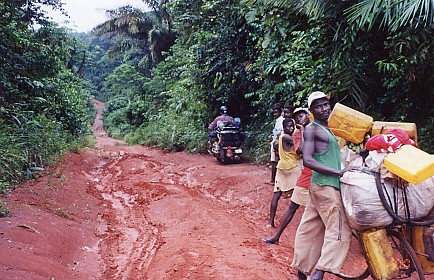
(137,29)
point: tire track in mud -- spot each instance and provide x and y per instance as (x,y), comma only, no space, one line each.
(192,240)
(130,239)
(216,239)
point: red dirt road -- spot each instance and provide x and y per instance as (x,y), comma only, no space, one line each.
(131,212)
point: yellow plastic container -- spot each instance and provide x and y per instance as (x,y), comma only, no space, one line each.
(411,164)
(383,127)
(419,247)
(379,254)
(349,124)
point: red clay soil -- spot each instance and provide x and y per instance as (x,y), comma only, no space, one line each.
(130,212)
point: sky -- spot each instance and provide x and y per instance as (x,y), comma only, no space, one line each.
(86,14)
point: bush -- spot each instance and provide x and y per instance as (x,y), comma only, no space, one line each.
(116,123)
(38,142)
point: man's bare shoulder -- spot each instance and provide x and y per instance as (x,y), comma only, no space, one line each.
(310,128)
(315,132)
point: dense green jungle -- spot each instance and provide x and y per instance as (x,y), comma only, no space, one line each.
(165,72)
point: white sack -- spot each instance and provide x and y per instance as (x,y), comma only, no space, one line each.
(362,204)
(375,160)
(364,208)
(348,156)
(421,198)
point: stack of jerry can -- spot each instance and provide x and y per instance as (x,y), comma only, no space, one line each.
(380,127)
(349,124)
(409,163)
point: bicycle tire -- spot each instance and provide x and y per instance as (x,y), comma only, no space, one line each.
(401,245)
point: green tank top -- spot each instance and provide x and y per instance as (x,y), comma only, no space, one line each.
(331,158)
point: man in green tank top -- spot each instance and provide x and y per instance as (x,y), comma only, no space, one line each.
(323,236)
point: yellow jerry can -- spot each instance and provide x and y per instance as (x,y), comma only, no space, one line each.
(382,127)
(379,254)
(421,248)
(349,124)
(411,164)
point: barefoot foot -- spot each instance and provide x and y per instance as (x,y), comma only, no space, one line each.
(270,241)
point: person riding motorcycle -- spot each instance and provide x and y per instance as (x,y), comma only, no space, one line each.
(223,117)
(226,137)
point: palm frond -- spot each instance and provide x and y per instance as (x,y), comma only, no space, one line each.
(348,82)
(393,13)
(364,13)
(416,11)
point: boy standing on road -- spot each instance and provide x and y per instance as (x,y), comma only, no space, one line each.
(277,130)
(323,236)
(287,167)
(300,195)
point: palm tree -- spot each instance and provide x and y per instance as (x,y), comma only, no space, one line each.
(148,31)
(128,22)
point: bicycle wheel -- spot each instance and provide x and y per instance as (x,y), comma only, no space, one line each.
(409,266)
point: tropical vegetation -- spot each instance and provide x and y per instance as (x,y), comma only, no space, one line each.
(164,72)
(374,56)
(44,103)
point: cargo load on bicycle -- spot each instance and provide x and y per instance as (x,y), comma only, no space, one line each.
(392,197)
(391,150)
(365,209)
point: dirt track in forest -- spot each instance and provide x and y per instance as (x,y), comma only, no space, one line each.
(131,212)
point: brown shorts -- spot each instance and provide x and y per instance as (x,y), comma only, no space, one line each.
(300,196)
(286,179)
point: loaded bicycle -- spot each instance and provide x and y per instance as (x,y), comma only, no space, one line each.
(395,251)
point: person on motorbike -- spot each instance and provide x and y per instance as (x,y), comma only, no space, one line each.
(224,117)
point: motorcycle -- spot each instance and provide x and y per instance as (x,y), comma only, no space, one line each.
(226,142)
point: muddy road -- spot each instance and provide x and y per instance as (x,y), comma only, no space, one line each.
(130,212)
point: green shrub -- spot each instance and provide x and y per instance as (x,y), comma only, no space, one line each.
(38,142)
(13,158)
(117,123)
